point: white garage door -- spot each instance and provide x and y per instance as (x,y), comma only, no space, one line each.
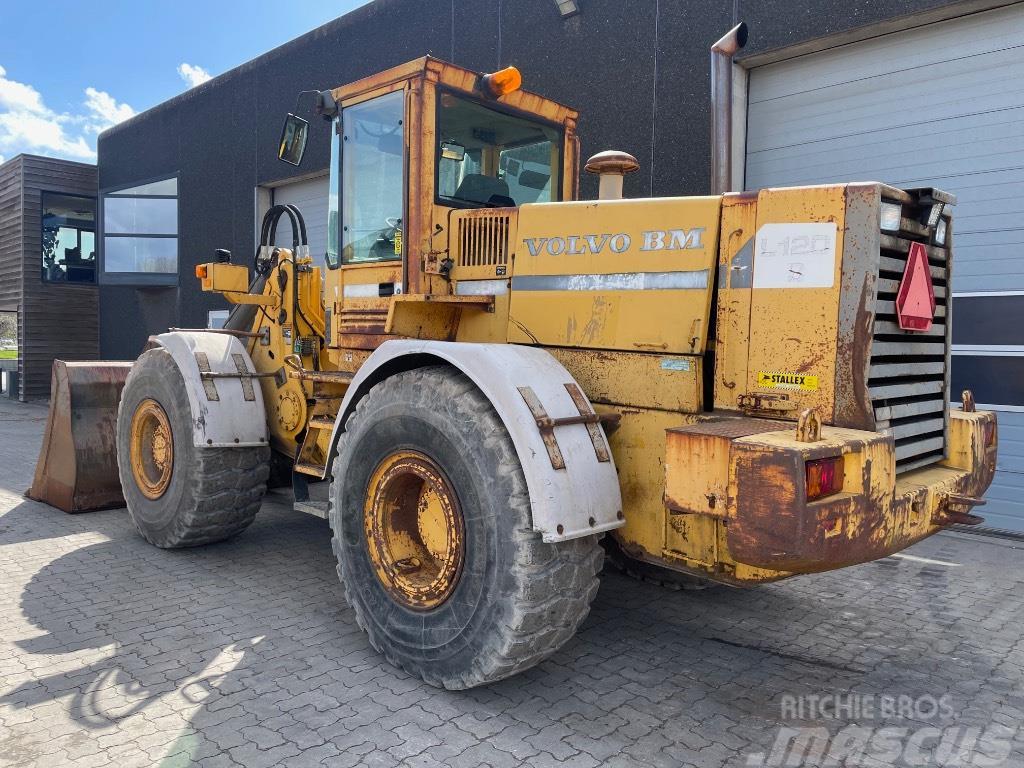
(941,105)
(310,197)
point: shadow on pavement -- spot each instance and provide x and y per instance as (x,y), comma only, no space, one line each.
(250,641)
(30,521)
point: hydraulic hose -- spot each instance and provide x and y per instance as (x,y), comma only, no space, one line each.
(242,316)
(296,306)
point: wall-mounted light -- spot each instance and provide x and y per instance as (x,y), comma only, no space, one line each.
(567,7)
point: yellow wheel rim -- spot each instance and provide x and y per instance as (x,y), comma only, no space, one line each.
(152,449)
(414,530)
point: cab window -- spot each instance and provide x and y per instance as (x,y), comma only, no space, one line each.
(372,153)
(489,158)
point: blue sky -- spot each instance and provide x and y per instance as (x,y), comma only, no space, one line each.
(71,69)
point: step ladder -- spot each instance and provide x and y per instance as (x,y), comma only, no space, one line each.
(329,388)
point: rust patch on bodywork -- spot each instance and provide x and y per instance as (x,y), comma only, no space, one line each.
(877,513)
(774,527)
(700,452)
(852,407)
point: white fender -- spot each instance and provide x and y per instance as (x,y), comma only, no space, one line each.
(231,420)
(580,500)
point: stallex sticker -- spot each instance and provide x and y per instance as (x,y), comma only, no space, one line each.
(398,242)
(775,380)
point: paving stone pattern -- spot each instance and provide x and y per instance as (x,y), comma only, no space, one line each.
(114,653)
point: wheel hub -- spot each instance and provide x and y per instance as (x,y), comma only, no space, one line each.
(414,530)
(152,449)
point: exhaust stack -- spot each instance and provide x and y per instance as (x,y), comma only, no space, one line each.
(722,53)
(611,166)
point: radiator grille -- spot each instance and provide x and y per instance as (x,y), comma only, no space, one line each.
(908,374)
(483,240)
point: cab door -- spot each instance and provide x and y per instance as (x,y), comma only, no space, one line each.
(371,150)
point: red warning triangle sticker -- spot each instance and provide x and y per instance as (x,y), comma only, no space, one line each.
(915,301)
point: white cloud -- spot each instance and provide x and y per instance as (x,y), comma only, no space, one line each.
(43,134)
(18,96)
(28,125)
(192,74)
(104,111)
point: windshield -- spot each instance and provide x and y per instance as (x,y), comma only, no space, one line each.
(491,158)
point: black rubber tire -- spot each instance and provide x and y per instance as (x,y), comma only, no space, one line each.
(653,574)
(518,600)
(214,493)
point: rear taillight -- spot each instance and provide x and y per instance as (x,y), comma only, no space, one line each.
(990,433)
(824,477)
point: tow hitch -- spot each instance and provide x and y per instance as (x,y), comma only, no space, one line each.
(954,509)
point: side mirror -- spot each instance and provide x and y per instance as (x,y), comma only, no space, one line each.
(293,139)
(452,151)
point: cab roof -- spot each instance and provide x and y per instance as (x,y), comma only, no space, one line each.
(458,78)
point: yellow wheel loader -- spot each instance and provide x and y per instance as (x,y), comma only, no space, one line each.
(492,374)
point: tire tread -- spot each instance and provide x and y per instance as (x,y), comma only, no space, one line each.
(229,483)
(653,574)
(554,583)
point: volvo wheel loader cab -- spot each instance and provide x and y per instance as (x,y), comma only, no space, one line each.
(492,374)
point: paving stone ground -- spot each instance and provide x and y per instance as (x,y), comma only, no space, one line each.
(114,653)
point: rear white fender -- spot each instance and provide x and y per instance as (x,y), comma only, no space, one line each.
(581,499)
(227,412)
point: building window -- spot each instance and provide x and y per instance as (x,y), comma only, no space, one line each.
(140,233)
(216,318)
(8,336)
(69,238)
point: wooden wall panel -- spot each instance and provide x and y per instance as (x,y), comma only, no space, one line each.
(10,234)
(61,321)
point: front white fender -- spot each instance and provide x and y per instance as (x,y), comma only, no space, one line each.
(236,418)
(579,500)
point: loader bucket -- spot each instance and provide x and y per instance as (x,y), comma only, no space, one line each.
(77,467)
